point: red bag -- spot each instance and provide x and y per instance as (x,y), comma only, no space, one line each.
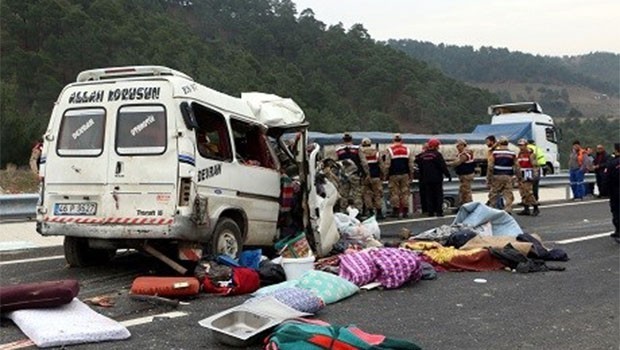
(244,281)
(166,286)
(38,295)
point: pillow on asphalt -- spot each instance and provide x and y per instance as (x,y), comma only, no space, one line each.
(327,286)
(358,268)
(270,289)
(298,298)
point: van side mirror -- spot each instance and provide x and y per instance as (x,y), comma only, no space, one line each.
(188,116)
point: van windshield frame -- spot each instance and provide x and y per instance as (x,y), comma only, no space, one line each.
(81,132)
(141,130)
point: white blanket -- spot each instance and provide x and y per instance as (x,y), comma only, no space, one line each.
(73,323)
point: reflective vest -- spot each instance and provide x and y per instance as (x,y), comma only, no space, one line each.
(372,157)
(524,160)
(468,166)
(504,161)
(539,154)
(351,152)
(399,156)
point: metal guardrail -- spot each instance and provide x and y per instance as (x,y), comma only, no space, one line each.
(23,206)
(18,206)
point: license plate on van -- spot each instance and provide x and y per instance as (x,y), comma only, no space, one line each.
(75,208)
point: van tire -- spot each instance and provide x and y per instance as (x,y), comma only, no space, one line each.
(227,238)
(79,254)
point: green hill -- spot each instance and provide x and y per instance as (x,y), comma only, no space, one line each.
(342,78)
(588,85)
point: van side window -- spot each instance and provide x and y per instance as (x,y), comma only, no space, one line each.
(212,137)
(252,145)
(81,132)
(141,130)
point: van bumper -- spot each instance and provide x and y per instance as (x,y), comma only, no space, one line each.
(181,228)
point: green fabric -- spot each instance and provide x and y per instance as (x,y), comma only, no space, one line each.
(298,334)
(327,286)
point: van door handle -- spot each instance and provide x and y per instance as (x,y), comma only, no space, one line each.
(119,167)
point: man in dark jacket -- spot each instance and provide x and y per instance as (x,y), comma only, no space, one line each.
(612,180)
(600,163)
(433,168)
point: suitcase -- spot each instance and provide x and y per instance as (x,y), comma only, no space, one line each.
(166,286)
(38,295)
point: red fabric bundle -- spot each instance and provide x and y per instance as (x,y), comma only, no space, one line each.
(244,281)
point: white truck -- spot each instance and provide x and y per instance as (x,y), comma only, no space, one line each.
(144,157)
(513,120)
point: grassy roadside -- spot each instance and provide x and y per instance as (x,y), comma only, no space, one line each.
(18,181)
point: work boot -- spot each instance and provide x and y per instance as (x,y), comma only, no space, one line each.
(405,212)
(536,211)
(380,215)
(526,211)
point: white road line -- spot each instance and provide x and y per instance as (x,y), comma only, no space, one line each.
(584,238)
(23,343)
(10,262)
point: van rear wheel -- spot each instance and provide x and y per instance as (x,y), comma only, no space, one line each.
(79,254)
(227,238)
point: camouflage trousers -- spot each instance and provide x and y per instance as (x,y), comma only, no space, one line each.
(351,193)
(373,193)
(465,188)
(399,191)
(501,185)
(526,190)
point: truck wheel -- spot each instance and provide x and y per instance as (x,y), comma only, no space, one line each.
(227,238)
(447,204)
(79,254)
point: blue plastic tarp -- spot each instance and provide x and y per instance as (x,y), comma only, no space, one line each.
(477,214)
(514,131)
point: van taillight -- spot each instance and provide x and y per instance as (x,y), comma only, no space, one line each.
(184,191)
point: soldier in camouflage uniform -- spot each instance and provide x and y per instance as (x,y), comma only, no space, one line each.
(355,168)
(373,188)
(500,172)
(528,173)
(399,168)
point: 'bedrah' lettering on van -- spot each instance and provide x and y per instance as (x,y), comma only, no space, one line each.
(86,97)
(141,93)
(82,129)
(146,122)
(209,172)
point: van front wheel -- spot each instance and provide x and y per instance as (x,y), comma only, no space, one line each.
(227,238)
(79,254)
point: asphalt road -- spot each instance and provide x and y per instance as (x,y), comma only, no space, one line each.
(578,308)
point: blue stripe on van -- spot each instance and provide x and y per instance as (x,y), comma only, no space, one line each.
(184,158)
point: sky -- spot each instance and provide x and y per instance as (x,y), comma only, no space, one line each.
(542,27)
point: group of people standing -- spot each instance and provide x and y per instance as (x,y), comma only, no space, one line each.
(505,165)
(366,168)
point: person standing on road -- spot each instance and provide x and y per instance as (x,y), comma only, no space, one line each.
(399,168)
(578,163)
(500,172)
(433,168)
(599,165)
(541,161)
(465,167)
(356,169)
(373,188)
(529,171)
(35,156)
(612,182)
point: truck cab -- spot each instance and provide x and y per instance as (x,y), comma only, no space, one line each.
(145,157)
(541,129)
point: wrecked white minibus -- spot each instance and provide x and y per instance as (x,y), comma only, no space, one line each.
(144,157)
